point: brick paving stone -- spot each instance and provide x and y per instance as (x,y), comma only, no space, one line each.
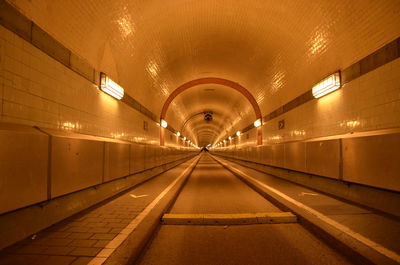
(109,224)
(116,225)
(112,220)
(103,236)
(99,229)
(58,250)
(93,219)
(77,223)
(101,243)
(80,235)
(125,216)
(82,261)
(54,234)
(52,241)
(116,230)
(67,241)
(81,251)
(105,216)
(82,243)
(58,260)
(78,229)
(99,224)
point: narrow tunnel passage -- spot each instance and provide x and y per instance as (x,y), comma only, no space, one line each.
(227,132)
(213,189)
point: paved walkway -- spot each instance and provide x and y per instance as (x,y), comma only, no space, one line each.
(76,240)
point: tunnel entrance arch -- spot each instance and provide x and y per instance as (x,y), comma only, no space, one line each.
(216,81)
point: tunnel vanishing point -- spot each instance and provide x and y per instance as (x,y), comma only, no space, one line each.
(199,132)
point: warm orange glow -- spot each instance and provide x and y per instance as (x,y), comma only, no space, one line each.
(257,123)
(110,87)
(326,86)
(163,123)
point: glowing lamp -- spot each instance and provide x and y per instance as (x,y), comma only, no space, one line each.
(230,138)
(257,123)
(184,138)
(237,133)
(164,124)
(326,86)
(110,87)
(178,134)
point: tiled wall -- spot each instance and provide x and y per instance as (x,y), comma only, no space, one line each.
(39,164)
(270,47)
(370,102)
(37,90)
(367,159)
(111,140)
(355,129)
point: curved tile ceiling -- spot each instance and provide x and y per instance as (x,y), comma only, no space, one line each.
(231,110)
(276,49)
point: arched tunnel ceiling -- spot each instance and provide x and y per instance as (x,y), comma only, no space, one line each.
(276,49)
(231,110)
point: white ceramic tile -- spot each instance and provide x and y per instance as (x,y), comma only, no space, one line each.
(150,59)
(270,47)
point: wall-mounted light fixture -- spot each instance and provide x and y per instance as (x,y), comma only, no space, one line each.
(163,123)
(110,87)
(238,133)
(257,123)
(326,86)
(230,138)
(178,134)
(224,141)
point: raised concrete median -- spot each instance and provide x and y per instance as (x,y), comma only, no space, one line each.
(229,219)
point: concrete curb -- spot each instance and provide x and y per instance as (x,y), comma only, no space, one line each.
(229,219)
(354,250)
(130,250)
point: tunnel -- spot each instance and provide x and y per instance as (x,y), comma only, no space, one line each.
(199,132)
